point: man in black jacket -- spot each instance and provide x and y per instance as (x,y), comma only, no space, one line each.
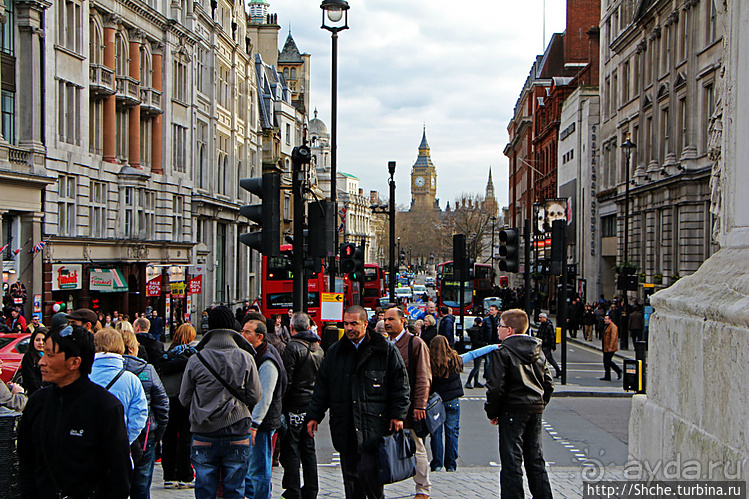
(72,440)
(548,336)
(519,387)
(363,381)
(301,358)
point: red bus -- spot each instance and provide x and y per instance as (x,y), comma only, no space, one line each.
(475,291)
(278,286)
(374,285)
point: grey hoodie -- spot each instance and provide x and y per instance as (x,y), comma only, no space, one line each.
(212,407)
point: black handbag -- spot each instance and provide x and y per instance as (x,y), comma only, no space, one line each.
(435,417)
(396,458)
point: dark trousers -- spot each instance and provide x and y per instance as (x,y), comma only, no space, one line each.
(175,446)
(549,354)
(608,365)
(298,447)
(636,334)
(520,443)
(360,476)
(474,374)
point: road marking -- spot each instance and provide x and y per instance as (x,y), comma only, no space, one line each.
(492,463)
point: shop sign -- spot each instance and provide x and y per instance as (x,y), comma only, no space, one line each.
(153,287)
(178,289)
(66,277)
(196,284)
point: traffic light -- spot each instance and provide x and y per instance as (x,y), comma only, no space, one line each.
(321,233)
(352,261)
(459,256)
(508,250)
(268,188)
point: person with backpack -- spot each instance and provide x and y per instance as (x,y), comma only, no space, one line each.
(301,358)
(158,417)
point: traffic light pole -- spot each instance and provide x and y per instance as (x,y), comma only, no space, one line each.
(563,303)
(391,282)
(300,157)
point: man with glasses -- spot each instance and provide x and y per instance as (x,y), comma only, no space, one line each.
(363,381)
(519,387)
(72,440)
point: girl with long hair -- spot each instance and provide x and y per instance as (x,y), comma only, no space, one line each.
(31,375)
(446,368)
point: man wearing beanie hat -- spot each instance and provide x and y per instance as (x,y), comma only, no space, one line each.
(220,386)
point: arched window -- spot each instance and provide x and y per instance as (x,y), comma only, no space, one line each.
(95,45)
(145,67)
(293,73)
(225,173)
(286,74)
(120,55)
(201,165)
(220,174)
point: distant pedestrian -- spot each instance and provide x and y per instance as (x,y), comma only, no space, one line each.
(429,329)
(157,326)
(519,387)
(589,322)
(446,367)
(636,323)
(376,374)
(220,409)
(548,336)
(301,358)
(610,346)
(154,347)
(74,430)
(479,339)
(447,325)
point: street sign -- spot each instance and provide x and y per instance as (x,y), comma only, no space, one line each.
(414,311)
(331,307)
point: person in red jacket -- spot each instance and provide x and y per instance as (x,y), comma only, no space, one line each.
(16,322)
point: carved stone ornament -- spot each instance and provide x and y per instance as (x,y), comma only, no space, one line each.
(715,138)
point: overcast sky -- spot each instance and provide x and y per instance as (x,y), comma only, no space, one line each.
(456,66)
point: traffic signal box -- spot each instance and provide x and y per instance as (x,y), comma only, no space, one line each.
(509,240)
(268,188)
(352,261)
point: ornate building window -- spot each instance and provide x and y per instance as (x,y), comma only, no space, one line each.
(68,112)
(66,204)
(179,140)
(98,206)
(69,25)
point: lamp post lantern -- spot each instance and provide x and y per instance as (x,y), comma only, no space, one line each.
(334,19)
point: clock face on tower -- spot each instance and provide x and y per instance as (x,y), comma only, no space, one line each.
(419,182)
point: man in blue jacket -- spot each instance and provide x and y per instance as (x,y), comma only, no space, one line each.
(72,440)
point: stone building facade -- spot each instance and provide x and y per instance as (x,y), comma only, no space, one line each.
(659,63)
(134,134)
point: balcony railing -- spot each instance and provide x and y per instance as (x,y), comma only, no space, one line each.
(150,101)
(101,80)
(128,91)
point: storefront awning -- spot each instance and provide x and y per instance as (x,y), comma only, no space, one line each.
(107,280)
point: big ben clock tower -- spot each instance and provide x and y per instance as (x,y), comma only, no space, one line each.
(424,180)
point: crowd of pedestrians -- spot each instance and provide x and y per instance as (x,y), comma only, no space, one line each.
(219,411)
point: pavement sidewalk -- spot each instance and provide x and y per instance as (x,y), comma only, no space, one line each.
(465,483)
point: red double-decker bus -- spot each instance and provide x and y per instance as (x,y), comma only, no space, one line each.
(476,289)
(374,285)
(278,286)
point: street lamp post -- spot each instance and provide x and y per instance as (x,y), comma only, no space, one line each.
(336,12)
(628,145)
(494,224)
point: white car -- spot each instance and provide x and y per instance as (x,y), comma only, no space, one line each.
(403,293)
(420,289)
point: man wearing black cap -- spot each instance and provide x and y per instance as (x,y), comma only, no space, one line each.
(72,440)
(83,317)
(220,386)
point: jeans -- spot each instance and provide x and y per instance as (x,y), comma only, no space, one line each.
(140,487)
(520,440)
(447,456)
(360,478)
(474,374)
(222,459)
(175,446)
(297,446)
(257,482)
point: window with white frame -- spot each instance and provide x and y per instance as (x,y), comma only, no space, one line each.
(128,211)
(98,206)
(149,213)
(223,86)
(180,80)
(179,141)
(146,130)
(288,134)
(120,56)
(681,137)
(665,134)
(712,20)
(69,112)
(223,163)
(287,207)
(66,204)
(202,72)
(96,129)
(684,38)
(178,204)
(121,136)
(69,22)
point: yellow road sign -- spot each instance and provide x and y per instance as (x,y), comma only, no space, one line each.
(332,297)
